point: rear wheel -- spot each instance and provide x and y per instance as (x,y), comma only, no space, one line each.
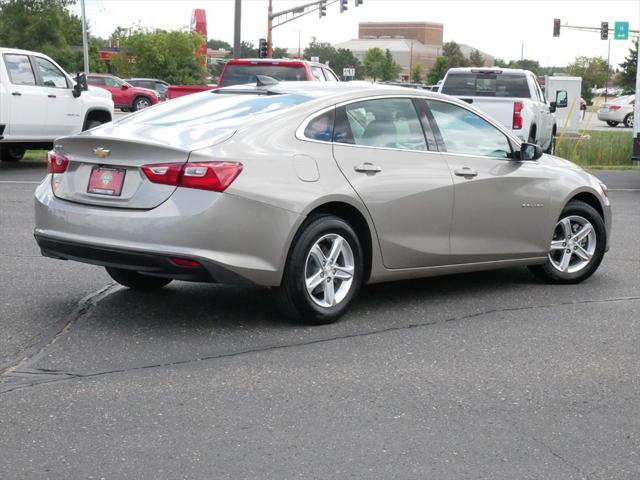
(135,280)
(628,121)
(140,103)
(323,273)
(93,124)
(551,149)
(11,154)
(612,124)
(577,246)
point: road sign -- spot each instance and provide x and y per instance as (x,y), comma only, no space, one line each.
(621,31)
(315,59)
(349,72)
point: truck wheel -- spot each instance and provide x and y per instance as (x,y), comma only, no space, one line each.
(612,124)
(628,121)
(11,154)
(551,149)
(93,124)
(140,103)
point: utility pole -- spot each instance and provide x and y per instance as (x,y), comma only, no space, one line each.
(237,33)
(636,114)
(85,43)
(606,83)
(522,53)
(270,31)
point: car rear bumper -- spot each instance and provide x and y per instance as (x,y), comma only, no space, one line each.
(610,117)
(235,240)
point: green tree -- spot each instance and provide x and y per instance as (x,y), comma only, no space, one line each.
(172,56)
(476,59)
(438,71)
(324,51)
(594,72)
(280,52)
(391,68)
(455,57)
(214,44)
(526,64)
(417,73)
(374,62)
(629,68)
(344,58)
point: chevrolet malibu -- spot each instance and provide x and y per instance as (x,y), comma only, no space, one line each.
(315,190)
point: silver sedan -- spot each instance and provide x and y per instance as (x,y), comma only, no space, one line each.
(618,111)
(315,190)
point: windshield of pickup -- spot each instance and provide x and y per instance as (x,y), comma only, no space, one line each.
(243,74)
(477,84)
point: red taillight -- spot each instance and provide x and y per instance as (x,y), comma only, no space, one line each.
(56,162)
(614,107)
(215,176)
(517,115)
(184,262)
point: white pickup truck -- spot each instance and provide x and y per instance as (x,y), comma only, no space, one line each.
(39,102)
(513,97)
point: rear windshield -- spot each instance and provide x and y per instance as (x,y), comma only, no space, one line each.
(486,85)
(242,74)
(217,110)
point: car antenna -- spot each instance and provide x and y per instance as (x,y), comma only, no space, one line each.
(265,81)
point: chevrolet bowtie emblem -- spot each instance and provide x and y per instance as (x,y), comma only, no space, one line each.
(101,152)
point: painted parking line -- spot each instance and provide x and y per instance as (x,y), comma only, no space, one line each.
(19,182)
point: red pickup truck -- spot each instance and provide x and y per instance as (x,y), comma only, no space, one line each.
(244,70)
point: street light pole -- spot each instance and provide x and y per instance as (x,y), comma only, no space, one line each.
(522,53)
(237,34)
(85,43)
(636,114)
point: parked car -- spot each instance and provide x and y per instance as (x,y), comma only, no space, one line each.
(159,86)
(125,96)
(618,111)
(314,190)
(40,102)
(511,96)
(245,71)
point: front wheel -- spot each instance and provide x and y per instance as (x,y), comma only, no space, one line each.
(11,154)
(577,246)
(628,121)
(323,273)
(141,103)
(135,280)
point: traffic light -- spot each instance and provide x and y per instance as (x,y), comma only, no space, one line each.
(359,2)
(343,5)
(604,30)
(263,48)
(556,27)
(322,10)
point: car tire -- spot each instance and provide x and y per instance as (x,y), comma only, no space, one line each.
(314,292)
(551,149)
(628,120)
(11,154)
(571,261)
(612,124)
(140,103)
(92,124)
(137,281)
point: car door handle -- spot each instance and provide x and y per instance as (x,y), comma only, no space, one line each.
(367,168)
(51,95)
(465,172)
(16,94)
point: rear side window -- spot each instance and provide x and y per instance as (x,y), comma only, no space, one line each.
(388,123)
(321,127)
(486,85)
(51,75)
(245,74)
(19,69)
(330,76)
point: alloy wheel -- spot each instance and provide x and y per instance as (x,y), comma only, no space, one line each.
(573,245)
(329,270)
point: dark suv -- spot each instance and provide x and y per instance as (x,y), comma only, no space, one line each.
(160,86)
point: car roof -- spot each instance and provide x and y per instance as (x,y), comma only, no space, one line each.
(20,51)
(144,78)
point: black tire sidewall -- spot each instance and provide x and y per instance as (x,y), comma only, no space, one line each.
(135,108)
(135,280)
(587,211)
(294,277)
(7,154)
(626,120)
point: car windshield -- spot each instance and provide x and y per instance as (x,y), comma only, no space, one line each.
(486,85)
(243,74)
(218,110)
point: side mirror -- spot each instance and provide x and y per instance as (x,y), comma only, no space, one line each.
(562,99)
(530,152)
(81,85)
(124,86)
(553,106)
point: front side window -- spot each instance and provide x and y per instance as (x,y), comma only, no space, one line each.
(465,132)
(19,69)
(317,74)
(51,75)
(388,123)
(321,127)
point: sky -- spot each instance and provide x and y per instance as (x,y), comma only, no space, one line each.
(498,27)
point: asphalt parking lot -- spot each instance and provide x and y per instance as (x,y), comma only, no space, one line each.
(489,375)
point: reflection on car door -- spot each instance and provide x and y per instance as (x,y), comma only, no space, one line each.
(62,108)
(500,203)
(381,149)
